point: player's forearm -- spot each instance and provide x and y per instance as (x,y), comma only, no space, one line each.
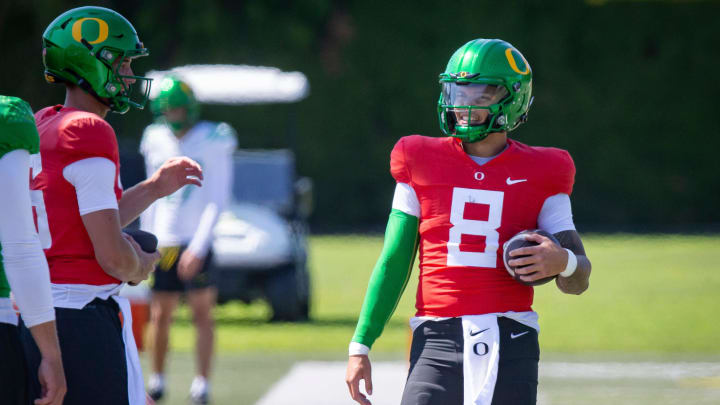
(45,336)
(24,261)
(135,200)
(579,281)
(27,273)
(121,263)
(113,253)
(216,190)
(200,242)
(389,277)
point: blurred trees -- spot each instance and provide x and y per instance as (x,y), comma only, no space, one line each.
(629,88)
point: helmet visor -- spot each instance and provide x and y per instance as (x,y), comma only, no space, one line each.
(472,94)
(470,103)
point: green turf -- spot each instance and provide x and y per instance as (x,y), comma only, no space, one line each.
(237,378)
(648,294)
(625,392)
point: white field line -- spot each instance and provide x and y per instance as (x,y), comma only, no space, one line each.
(323,383)
(616,370)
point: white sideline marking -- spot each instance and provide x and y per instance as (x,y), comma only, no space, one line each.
(615,370)
(323,382)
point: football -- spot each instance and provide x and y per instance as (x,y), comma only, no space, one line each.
(519,241)
(147,241)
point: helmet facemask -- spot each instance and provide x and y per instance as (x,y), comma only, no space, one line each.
(123,91)
(471,110)
(177,118)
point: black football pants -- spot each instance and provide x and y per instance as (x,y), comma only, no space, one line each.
(436,364)
(13,389)
(93,354)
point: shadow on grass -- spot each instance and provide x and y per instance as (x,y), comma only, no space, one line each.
(324,322)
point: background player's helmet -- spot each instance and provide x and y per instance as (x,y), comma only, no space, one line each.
(18,123)
(486,87)
(175,93)
(85,46)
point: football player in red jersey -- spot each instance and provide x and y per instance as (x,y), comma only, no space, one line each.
(457,200)
(80,206)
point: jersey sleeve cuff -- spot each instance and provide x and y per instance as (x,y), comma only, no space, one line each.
(107,205)
(356,349)
(36,319)
(406,200)
(556,214)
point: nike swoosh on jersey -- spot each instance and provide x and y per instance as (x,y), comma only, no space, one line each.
(510,182)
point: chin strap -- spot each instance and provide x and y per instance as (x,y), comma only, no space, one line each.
(83,84)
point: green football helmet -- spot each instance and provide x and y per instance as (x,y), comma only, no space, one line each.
(17,125)
(486,87)
(175,93)
(86,46)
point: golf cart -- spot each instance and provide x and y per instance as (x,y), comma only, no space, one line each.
(260,247)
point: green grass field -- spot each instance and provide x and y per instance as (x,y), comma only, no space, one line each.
(650,298)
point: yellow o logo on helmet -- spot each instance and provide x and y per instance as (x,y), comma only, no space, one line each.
(102,30)
(513,64)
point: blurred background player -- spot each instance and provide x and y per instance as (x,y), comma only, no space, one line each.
(183,223)
(81,207)
(458,199)
(23,267)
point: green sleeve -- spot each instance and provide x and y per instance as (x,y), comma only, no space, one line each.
(389,277)
(4,286)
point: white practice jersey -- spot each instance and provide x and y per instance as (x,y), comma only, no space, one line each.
(188,216)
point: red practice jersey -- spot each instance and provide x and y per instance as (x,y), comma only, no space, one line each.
(468,211)
(66,136)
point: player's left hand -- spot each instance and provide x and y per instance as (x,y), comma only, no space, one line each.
(147,261)
(547,259)
(148,400)
(52,382)
(359,369)
(175,173)
(189,265)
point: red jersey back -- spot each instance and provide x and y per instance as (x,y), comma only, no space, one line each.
(66,136)
(468,211)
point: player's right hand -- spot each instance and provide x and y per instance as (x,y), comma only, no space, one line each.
(175,173)
(52,382)
(359,369)
(147,260)
(189,265)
